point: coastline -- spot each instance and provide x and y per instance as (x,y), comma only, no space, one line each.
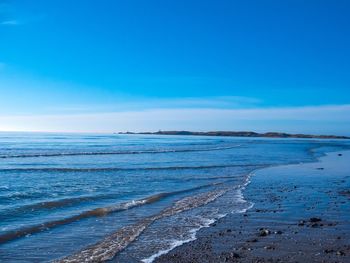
(172,222)
(246,134)
(299,214)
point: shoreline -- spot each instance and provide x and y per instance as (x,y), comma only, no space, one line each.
(194,232)
(243,241)
(244,134)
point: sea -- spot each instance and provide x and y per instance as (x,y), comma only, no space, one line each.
(127,198)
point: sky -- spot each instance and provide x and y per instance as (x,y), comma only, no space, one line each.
(148,65)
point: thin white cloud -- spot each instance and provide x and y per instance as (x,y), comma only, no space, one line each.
(123,103)
(10,23)
(80,102)
(333,119)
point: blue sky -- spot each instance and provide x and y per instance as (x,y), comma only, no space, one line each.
(106,66)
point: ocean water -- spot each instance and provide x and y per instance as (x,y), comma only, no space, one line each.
(126,198)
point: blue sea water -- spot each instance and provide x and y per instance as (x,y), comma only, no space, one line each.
(126,197)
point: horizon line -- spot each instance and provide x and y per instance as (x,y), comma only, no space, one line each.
(200,133)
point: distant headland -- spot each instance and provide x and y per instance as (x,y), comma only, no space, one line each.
(241,134)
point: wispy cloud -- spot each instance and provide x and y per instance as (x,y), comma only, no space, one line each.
(126,103)
(10,23)
(65,97)
(22,20)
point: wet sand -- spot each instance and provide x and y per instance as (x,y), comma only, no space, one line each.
(301,213)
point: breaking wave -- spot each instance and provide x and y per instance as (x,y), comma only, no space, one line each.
(116,242)
(102,211)
(115,152)
(92,169)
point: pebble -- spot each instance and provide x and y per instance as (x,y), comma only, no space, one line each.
(264,232)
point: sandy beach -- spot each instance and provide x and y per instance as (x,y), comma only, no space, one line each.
(300,214)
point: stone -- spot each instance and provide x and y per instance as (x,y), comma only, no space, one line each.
(264,232)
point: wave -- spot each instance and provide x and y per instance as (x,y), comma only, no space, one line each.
(210,178)
(116,242)
(114,152)
(97,169)
(206,222)
(98,212)
(49,205)
(177,243)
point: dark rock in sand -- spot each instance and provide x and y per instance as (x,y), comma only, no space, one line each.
(332,224)
(269,247)
(345,193)
(264,232)
(235,255)
(301,223)
(315,219)
(340,253)
(229,257)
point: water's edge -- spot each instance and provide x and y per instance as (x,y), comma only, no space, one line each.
(317,159)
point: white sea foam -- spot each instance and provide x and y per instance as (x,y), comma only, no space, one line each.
(113,244)
(193,232)
(177,243)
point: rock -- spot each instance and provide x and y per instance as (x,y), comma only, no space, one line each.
(320,168)
(301,223)
(235,255)
(345,193)
(315,219)
(269,247)
(340,253)
(278,232)
(339,154)
(264,232)
(327,251)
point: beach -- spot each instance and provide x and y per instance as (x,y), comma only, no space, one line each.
(174,131)
(149,198)
(300,214)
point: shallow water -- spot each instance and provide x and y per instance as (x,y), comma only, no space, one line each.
(132,197)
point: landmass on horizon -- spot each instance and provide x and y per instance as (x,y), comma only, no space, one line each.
(241,134)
